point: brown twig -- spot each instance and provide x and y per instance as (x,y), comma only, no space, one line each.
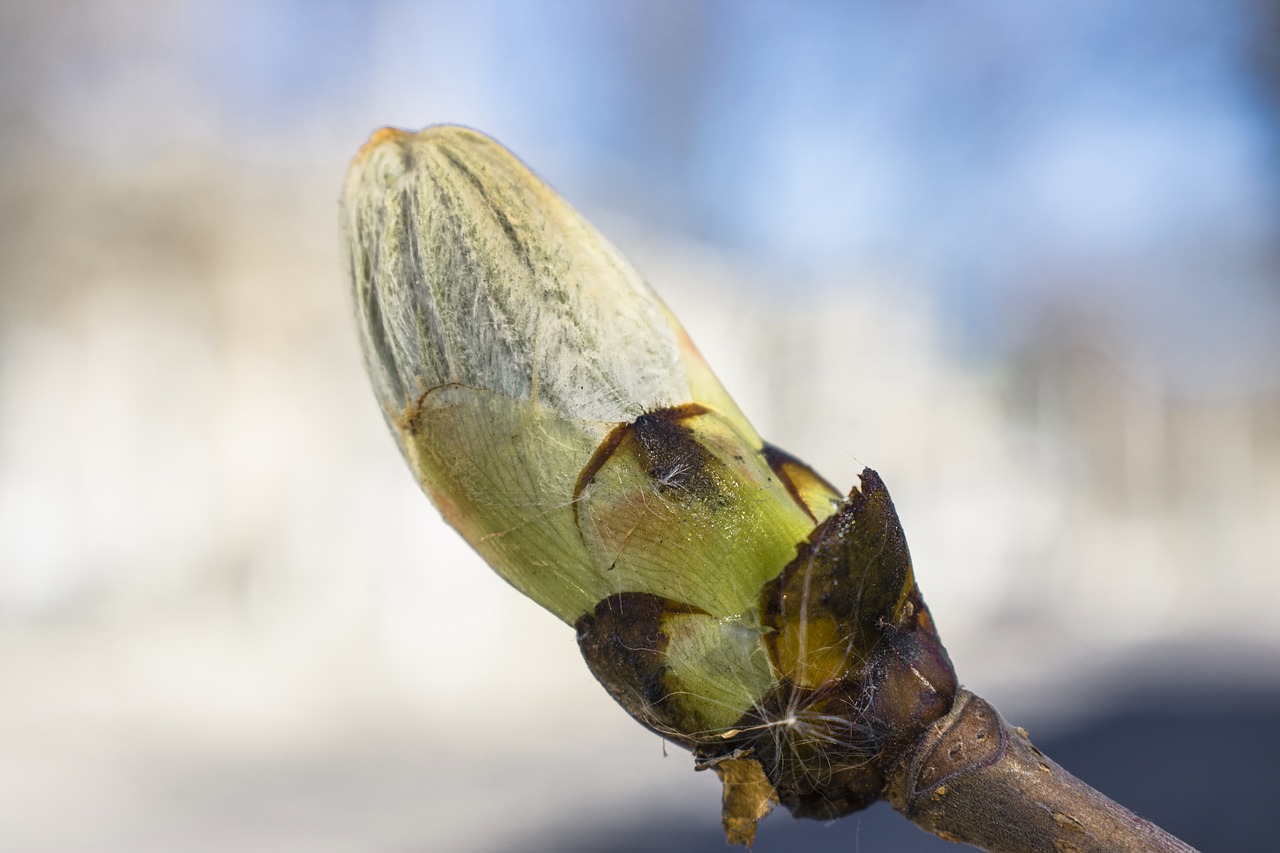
(973,778)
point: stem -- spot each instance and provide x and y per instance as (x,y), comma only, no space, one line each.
(972,777)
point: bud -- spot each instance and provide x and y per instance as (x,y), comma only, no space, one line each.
(562,421)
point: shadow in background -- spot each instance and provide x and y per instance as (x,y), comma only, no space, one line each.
(1202,766)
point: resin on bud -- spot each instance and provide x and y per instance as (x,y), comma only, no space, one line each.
(562,421)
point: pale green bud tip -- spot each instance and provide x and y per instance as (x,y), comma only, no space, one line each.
(468,269)
(408,229)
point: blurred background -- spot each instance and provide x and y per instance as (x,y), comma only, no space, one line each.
(1023,259)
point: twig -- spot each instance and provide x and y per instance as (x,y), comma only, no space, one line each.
(971,777)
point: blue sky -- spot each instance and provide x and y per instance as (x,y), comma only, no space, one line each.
(1088,127)
(986,150)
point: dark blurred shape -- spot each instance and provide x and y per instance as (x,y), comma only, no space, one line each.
(1263,59)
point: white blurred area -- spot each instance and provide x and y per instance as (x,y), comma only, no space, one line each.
(228,618)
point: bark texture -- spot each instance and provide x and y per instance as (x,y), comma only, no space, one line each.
(974,778)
